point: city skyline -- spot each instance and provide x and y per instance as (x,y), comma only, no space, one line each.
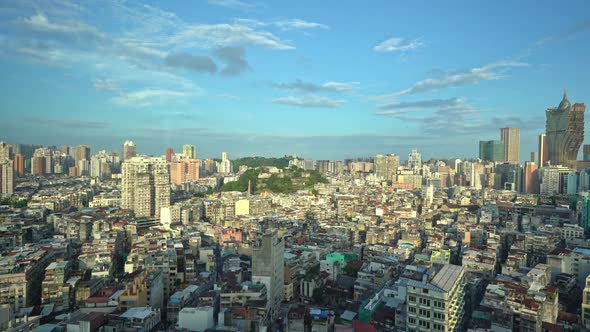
(252,79)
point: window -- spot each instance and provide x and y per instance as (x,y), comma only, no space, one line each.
(412,310)
(412,320)
(424,291)
(412,298)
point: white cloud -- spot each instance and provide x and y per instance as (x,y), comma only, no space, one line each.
(309,100)
(398,45)
(219,35)
(147,97)
(234,4)
(298,24)
(106,85)
(314,87)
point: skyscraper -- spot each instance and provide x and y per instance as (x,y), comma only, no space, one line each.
(414,160)
(491,151)
(190,151)
(19,164)
(145,186)
(586,152)
(565,132)
(128,150)
(5,152)
(169,154)
(543,152)
(268,268)
(6,176)
(391,165)
(531,178)
(379,166)
(225,166)
(510,137)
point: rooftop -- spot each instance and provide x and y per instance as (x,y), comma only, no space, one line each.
(447,276)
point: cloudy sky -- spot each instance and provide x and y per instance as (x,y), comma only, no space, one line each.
(320,79)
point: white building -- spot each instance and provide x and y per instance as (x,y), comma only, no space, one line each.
(196,319)
(437,304)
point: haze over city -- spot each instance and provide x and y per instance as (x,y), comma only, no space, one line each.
(322,80)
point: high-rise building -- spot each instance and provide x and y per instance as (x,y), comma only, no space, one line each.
(586,152)
(491,151)
(379,166)
(585,213)
(184,170)
(510,137)
(508,177)
(565,132)
(38,166)
(6,176)
(415,160)
(427,194)
(145,186)
(19,164)
(82,153)
(169,154)
(225,166)
(129,150)
(554,180)
(82,159)
(268,268)
(392,163)
(437,304)
(190,151)
(531,178)
(586,304)
(543,151)
(5,151)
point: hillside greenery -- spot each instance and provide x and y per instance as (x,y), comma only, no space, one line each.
(290,180)
(254,162)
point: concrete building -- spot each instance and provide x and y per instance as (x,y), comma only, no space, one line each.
(392,163)
(531,178)
(129,150)
(437,304)
(415,160)
(6,176)
(586,304)
(190,151)
(491,151)
(379,166)
(554,180)
(427,195)
(196,319)
(225,166)
(184,170)
(510,137)
(543,153)
(268,268)
(565,132)
(19,164)
(145,186)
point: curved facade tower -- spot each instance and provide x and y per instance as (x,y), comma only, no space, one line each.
(565,132)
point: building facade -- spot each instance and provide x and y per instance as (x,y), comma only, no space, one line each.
(510,137)
(491,151)
(145,186)
(565,132)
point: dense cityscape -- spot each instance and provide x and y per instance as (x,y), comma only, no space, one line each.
(294,166)
(122,241)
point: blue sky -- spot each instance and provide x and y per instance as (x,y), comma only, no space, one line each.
(320,79)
